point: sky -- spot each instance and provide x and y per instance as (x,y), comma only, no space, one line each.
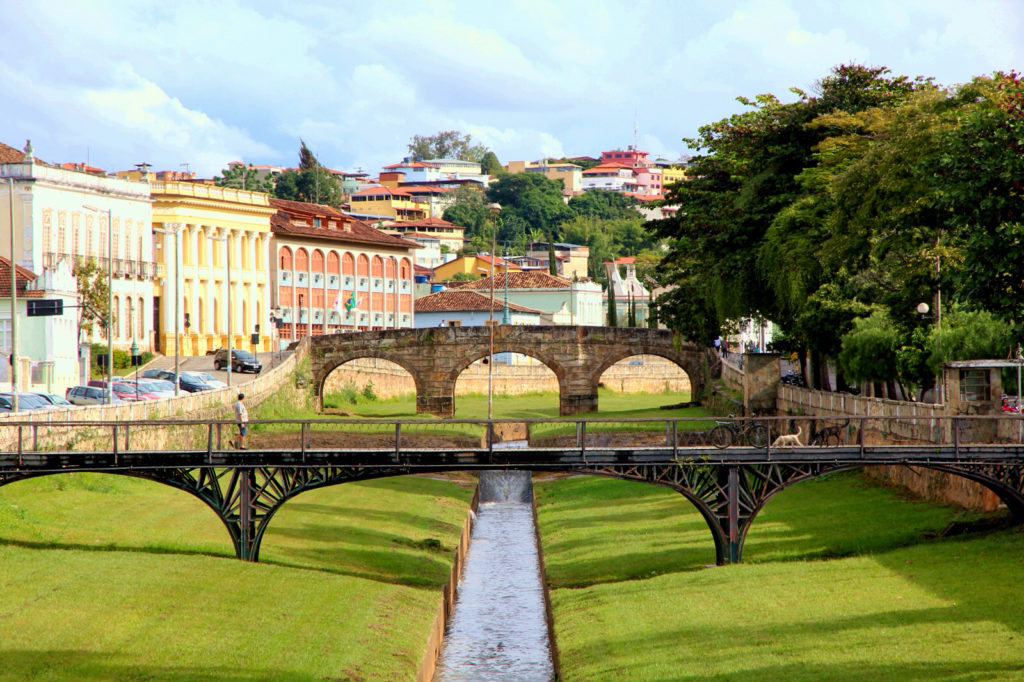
(117,83)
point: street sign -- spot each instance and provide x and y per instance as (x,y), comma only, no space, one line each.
(45,306)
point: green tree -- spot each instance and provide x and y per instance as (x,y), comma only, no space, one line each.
(93,288)
(446,144)
(968,335)
(869,349)
(602,203)
(310,183)
(613,307)
(490,165)
(535,199)
(244,177)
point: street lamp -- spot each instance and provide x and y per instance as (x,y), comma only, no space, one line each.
(495,210)
(174,233)
(227,247)
(14,306)
(110,299)
(275,324)
(504,315)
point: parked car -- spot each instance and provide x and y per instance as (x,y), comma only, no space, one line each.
(29,401)
(241,361)
(161,388)
(208,378)
(54,399)
(189,383)
(89,395)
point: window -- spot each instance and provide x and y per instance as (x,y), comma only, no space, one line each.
(974,385)
(316,222)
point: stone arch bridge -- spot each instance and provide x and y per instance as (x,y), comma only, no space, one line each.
(435,357)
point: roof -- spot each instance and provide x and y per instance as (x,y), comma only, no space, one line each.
(381,189)
(461,300)
(424,189)
(24,277)
(429,222)
(607,167)
(358,231)
(529,279)
(410,164)
(9,154)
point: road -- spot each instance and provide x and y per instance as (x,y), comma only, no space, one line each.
(204,363)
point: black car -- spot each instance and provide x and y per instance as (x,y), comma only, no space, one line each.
(242,361)
(189,382)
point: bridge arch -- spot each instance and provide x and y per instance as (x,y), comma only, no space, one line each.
(320,378)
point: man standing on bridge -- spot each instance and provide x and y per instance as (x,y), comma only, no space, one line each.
(242,415)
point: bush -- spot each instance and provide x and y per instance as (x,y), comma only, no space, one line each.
(368,392)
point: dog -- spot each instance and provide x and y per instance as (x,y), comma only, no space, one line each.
(828,436)
(789,440)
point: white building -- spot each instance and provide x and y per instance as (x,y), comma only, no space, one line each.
(439,171)
(61,214)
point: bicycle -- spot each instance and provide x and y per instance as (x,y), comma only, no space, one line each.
(743,433)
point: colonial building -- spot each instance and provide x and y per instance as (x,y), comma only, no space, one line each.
(212,244)
(76,214)
(332,273)
(562,301)
(570,259)
(389,203)
(627,290)
(570,174)
(464,308)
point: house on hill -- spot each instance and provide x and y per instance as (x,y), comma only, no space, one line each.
(562,300)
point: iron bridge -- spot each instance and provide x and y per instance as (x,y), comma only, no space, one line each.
(728,482)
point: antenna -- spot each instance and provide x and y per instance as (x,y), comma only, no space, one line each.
(185,166)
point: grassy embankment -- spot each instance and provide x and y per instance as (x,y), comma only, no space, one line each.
(842,580)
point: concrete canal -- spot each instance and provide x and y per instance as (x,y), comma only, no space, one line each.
(499,629)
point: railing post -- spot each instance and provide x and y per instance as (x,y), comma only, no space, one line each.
(302,435)
(127,442)
(35,438)
(675,439)
(583,440)
(220,433)
(209,443)
(860,435)
(733,511)
(398,441)
(113,439)
(19,445)
(956,437)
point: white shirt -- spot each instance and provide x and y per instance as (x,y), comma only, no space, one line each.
(241,414)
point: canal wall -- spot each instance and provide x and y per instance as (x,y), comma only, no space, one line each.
(435,638)
(655,375)
(548,613)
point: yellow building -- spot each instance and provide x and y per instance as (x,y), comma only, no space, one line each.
(218,230)
(387,202)
(479,266)
(570,174)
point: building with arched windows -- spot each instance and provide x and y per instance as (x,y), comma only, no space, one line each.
(212,245)
(332,273)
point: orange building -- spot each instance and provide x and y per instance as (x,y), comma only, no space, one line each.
(332,273)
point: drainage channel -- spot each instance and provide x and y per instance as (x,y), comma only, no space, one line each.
(498,629)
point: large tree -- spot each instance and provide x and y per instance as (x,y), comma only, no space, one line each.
(310,183)
(244,177)
(446,144)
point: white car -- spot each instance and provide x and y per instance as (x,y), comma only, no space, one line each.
(208,378)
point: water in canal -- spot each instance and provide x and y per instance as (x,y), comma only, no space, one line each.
(499,630)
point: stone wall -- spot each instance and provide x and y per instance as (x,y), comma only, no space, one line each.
(50,429)
(655,375)
(917,423)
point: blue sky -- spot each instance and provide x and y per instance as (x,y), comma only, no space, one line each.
(204,83)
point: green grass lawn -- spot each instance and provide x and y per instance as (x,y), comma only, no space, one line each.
(107,577)
(842,580)
(527,406)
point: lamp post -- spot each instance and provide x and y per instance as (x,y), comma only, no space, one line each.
(174,233)
(14,306)
(275,322)
(227,247)
(495,209)
(504,314)
(110,300)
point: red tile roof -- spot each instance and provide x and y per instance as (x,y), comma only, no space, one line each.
(460,300)
(24,277)
(9,154)
(358,231)
(425,189)
(529,279)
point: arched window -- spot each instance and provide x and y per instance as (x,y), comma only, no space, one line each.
(378,267)
(301,261)
(348,264)
(404,269)
(318,261)
(332,262)
(141,308)
(284,254)
(363,265)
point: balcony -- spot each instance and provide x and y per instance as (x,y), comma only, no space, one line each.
(129,268)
